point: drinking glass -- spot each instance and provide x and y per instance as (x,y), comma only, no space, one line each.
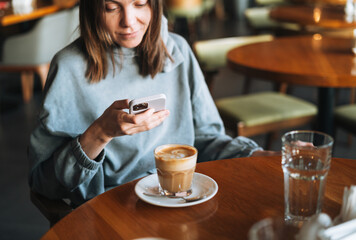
(306,157)
(272,229)
(175,165)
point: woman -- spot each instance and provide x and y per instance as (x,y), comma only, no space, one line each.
(86,142)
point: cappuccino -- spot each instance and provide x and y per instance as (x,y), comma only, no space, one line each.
(175,165)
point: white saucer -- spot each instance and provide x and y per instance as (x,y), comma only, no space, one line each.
(202,186)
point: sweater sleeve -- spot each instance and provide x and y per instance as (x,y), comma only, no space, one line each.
(210,137)
(60,168)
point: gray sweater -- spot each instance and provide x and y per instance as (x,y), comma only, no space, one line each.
(58,166)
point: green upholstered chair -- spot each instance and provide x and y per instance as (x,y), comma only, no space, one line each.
(264,112)
(259,20)
(258,17)
(211,54)
(191,11)
(257,113)
(345,116)
(270,2)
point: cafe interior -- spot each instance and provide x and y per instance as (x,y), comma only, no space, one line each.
(271,66)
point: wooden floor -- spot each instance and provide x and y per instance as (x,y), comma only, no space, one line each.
(19,219)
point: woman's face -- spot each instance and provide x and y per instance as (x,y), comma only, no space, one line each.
(127,21)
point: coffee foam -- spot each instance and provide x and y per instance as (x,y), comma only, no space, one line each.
(175,157)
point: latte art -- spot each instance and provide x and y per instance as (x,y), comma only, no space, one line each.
(171,153)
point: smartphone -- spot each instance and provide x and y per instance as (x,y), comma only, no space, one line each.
(158,102)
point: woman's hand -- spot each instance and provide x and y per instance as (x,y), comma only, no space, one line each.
(116,122)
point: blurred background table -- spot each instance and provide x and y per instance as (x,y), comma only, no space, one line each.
(326,16)
(41,9)
(250,189)
(317,61)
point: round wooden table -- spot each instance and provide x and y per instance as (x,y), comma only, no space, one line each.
(317,61)
(305,15)
(250,189)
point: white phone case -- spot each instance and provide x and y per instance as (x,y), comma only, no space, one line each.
(158,102)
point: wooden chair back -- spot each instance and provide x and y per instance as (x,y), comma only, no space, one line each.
(53,210)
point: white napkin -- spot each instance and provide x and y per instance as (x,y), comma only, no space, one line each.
(348,208)
(22,6)
(343,231)
(320,227)
(310,229)
(349,11)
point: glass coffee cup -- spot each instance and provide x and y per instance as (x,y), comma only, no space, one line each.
(175,165)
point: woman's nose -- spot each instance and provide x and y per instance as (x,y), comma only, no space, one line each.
(128,17)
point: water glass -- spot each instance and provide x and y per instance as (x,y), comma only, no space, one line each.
(306,157)
(272,229)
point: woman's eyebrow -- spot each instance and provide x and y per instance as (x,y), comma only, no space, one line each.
(115,1)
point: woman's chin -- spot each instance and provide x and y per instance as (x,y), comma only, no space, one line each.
(129,44)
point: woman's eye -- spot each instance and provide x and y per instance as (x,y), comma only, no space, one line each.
(110,7)
(141,3)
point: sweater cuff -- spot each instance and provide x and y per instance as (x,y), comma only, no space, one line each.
(83,159)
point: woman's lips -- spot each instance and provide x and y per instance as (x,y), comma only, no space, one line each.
(128,35)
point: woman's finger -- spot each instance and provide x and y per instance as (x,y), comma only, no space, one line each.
(152,122)
(149,115)
(121,104)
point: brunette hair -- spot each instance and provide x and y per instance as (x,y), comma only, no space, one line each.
(152,52)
